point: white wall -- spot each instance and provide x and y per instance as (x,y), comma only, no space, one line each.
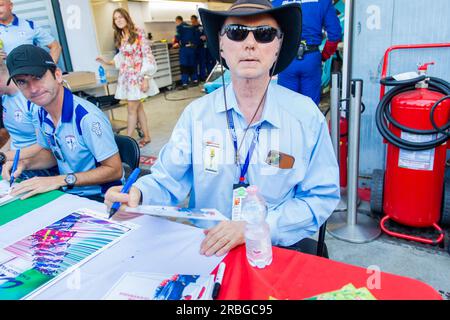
(103,12)
(81,34)
(158,17)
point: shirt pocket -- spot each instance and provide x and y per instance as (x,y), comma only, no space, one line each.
(275,183)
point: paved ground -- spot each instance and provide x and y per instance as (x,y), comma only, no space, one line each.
(426,263)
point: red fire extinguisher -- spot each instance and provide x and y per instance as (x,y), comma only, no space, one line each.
(343,151)
(415,127)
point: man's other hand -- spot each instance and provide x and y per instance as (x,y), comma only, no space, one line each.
(222,238)
(36,185)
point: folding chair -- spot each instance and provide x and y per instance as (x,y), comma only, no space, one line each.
(129,152)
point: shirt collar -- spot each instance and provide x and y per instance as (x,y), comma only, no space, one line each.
(271,110)
(14,22)
(67,109)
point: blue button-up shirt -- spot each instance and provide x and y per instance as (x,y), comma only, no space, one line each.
(82,139)
(21,31)
(20,119)
(299,199)
(316,15)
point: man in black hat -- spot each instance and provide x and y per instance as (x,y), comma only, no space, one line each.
(249,132)
(74,133)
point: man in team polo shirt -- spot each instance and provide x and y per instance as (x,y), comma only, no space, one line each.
(75,134)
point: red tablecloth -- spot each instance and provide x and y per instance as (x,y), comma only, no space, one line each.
(294,275)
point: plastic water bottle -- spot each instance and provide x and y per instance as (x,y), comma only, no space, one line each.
(258,243)
(102,74)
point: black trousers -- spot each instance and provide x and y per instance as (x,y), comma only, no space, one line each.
(309,246)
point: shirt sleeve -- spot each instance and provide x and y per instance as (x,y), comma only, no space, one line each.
(148,61)
(331,23)
(171,177)
(118,60)
(98,136)
(177,37)
(315,198)
(42,37)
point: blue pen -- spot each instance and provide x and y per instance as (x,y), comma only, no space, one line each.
(131,179)
(14,167)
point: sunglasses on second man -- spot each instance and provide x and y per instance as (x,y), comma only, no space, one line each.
(262,34)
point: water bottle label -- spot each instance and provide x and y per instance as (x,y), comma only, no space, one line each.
(102,75)
(239,193)
(259,252)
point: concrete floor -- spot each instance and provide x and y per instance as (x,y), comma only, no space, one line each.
(422,262)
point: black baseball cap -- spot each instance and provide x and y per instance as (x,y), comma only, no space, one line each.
(28,60)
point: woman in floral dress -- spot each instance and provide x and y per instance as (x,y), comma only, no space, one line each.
(136,66)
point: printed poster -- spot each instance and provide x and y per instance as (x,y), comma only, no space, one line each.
(156,286)
(37,261)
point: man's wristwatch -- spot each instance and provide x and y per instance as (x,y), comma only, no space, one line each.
(2,158)
(70,179)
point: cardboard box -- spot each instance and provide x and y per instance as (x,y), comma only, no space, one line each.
(80,79)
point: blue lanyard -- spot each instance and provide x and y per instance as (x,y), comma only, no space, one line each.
(244,168)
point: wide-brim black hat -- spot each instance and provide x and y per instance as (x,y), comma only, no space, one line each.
(289,18)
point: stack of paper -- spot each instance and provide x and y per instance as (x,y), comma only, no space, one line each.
(157,286)
(5,197)
(181,213)
(46,256)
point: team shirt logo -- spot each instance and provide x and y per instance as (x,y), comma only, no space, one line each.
(97,129)
(71,142)
(18,116)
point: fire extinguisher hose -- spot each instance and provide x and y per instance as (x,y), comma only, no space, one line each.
(383,114)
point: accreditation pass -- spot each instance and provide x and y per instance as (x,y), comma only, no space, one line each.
(211,157)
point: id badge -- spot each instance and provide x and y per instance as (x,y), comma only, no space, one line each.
(239,193)
(211,157)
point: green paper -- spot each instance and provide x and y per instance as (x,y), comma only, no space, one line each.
(18,208)
(30,280)
(347,292)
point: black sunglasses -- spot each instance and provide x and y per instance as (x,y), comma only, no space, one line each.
(262,34)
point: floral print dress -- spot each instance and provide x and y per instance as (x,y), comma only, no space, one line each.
(134,61)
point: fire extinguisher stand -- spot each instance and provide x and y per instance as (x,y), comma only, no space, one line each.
(335,131)
(353,226)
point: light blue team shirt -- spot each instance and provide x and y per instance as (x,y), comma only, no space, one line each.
(299,199)
(20,119)
(21,31)
(82,139)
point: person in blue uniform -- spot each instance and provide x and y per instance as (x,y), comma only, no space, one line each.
(200,50)
(15,31)
(185,39)
(21,120)
(74,133)
(304,74)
